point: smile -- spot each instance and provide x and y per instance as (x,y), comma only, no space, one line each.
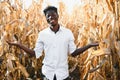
(51,21)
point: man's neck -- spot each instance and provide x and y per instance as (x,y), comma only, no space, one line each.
(55,28)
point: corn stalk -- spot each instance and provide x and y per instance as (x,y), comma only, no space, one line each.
(93,21)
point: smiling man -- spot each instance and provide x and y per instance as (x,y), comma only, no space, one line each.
(57,42)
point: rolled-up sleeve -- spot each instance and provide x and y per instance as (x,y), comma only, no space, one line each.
(71,44)
(39,46)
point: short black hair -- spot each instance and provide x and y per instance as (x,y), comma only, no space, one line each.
(48,8)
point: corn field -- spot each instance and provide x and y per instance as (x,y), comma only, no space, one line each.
(93,21)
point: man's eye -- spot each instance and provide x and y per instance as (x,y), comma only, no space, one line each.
(47,16)
(53,16)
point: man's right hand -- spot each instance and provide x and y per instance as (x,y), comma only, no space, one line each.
(27,50)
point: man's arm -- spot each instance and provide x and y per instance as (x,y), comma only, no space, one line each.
(27,50)
(82,49)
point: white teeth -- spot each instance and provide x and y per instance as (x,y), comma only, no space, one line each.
(52,21)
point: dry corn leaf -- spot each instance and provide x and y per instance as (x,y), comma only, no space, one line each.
(96,68)
(9,66)
(93,20)
(1,48)
(117,46)
(10,56)
(8,28)
(109,5)
(22,69)
(99,76)
(103,51)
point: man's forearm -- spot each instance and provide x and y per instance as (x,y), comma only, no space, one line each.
(27,50)
(80,50)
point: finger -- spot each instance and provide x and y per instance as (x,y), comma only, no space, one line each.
(7,42)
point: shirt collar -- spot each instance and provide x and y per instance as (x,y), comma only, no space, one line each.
(60,28)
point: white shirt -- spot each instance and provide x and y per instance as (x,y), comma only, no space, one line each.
(56,47)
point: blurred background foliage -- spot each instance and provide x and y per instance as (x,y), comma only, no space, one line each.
(89,20)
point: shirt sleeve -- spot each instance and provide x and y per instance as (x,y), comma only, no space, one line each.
(39,46)
(71,44)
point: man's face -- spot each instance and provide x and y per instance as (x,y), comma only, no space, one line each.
(52,17)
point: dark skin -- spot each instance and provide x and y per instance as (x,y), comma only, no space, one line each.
(52,19)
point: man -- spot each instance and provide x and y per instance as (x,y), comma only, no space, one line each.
(57,42)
